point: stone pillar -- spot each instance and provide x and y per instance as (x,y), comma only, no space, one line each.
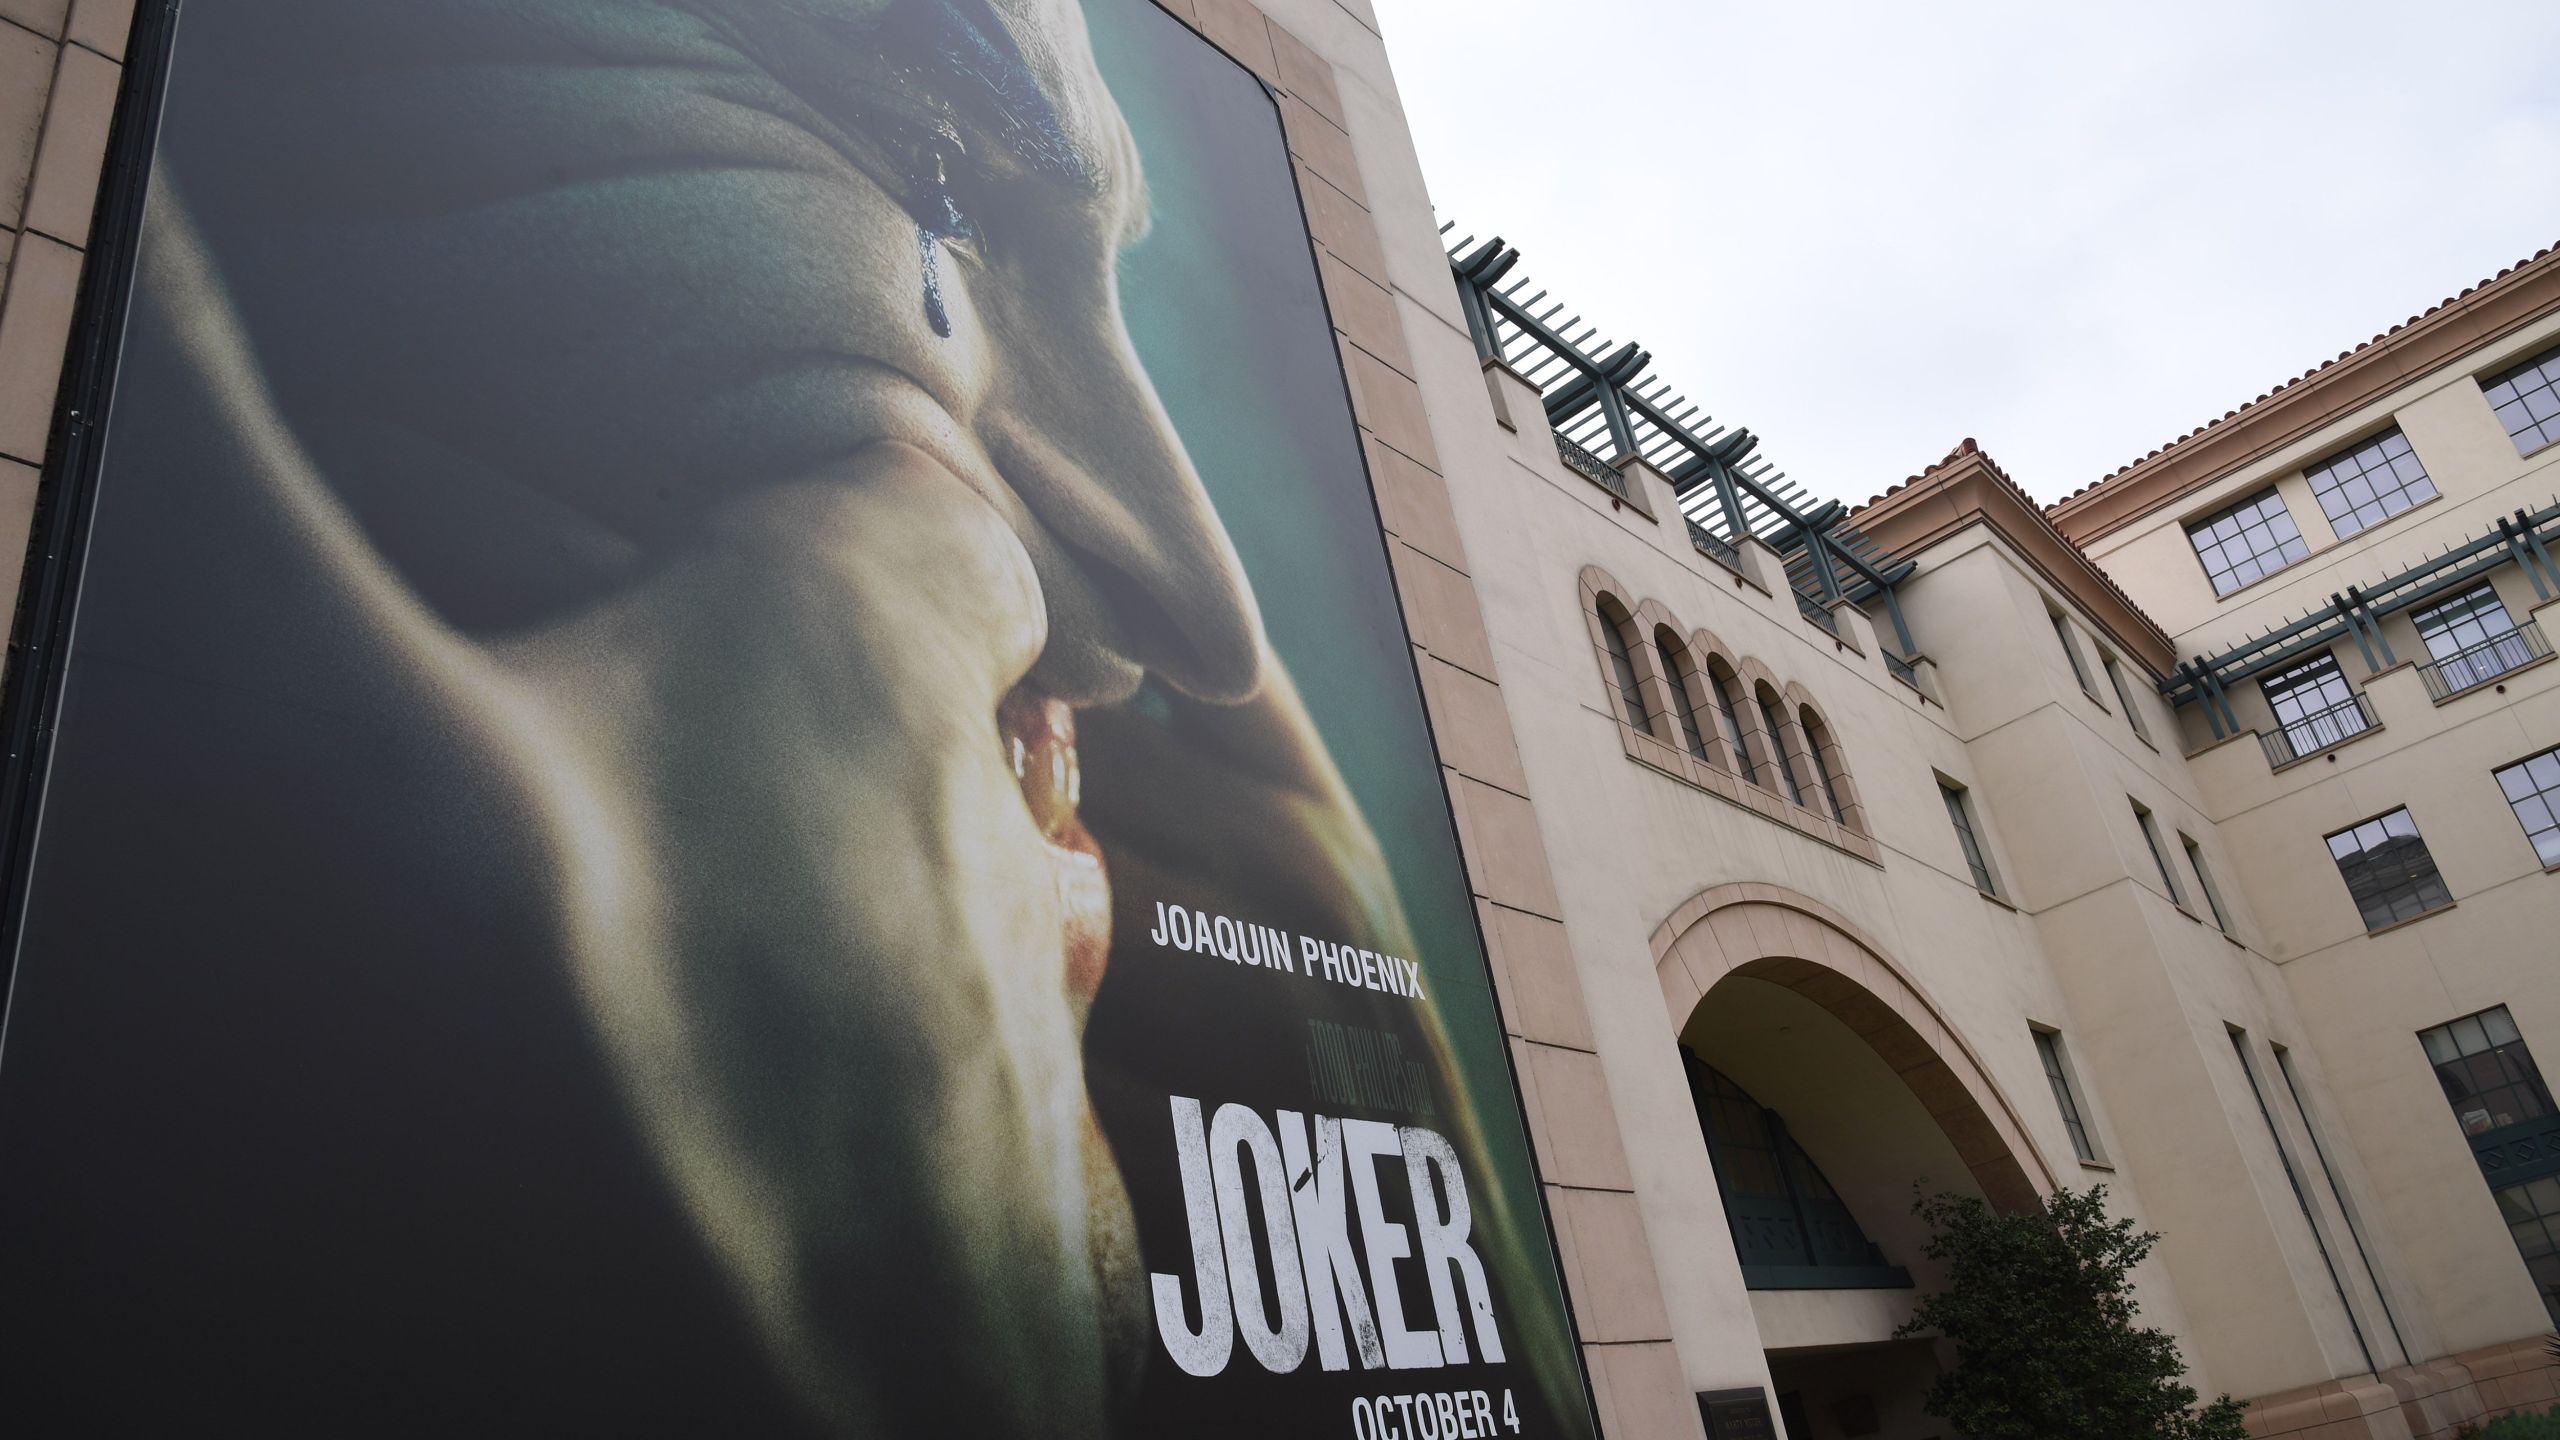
(61,64)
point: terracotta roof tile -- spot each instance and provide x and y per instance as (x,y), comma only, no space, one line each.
(2466,293)
(1970,449)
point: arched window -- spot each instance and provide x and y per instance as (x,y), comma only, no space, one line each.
(1728,688)
(1678,676)
(1777,731)
(1614,627)
(1817,740)
(1789,1226)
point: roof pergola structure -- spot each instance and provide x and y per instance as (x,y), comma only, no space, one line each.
(2356,613)
(1608,412)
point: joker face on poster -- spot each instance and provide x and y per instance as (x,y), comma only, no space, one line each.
(736,756)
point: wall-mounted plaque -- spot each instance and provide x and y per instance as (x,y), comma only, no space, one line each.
(1737,1414)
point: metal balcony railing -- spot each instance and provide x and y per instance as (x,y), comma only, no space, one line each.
(1714,546)
(1817,612)
(2320,730)
(1592,467)
(2484,662)
(1901,669)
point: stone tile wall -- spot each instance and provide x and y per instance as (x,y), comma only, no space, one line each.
(60,64)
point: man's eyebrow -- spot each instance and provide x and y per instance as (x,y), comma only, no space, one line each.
(979,49)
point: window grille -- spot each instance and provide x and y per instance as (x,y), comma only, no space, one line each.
(2473,641)
(2251,539)
(2532,788)
(2487,1071)
(2388,870)
(2314,708)
(2368,483)
(2527,399)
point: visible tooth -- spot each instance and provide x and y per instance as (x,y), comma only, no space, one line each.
(1042,739)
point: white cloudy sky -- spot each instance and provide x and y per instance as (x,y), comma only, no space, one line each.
(2073,230)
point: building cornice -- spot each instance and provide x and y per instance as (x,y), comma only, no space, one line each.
(1969,487)
(2494,308)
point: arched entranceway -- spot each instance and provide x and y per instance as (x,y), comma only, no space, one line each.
(1764,932)
(1831,1091)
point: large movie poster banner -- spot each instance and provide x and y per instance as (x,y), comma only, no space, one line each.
(737,759)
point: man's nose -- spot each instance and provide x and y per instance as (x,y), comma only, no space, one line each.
(1088,445)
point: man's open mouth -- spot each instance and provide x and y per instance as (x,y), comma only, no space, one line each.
(1038,732)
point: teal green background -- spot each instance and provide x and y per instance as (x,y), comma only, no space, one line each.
(1222,299)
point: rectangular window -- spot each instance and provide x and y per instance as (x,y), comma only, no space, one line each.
(2124,696)
(2313,705)
(2388,870)
(1976,857)
(2472,639)
(2491,1082)
(2049,1049)
(2487,1072)
(2527,399)
(2346,1211)
(2204,882)
(2532,787)
(2253,538)
(2532,1213)
(2301,1196)
(2071,651)
(2368,483)
(2159,856)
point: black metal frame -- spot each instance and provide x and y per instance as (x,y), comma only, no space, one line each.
(2522,539)
(58,535)
(1604,410)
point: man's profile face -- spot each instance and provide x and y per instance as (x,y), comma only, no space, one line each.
(827,492)
(654,579)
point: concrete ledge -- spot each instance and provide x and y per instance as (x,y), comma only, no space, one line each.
(2436,1399)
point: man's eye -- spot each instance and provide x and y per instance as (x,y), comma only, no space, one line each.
(938,180)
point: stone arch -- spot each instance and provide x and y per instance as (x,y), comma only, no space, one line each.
(1716,667)
(1765,932)
(1768,754)
(1685,697)
(1660,701)
(1610,617)
(1831,761)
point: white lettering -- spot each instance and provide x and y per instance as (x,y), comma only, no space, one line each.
(1443,1240)
(1279,1347)
(1322,1204)
(1203,1351)
(1365,1142)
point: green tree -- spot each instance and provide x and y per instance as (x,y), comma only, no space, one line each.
(2041,1312)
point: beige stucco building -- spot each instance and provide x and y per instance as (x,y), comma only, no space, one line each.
(2003,856)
